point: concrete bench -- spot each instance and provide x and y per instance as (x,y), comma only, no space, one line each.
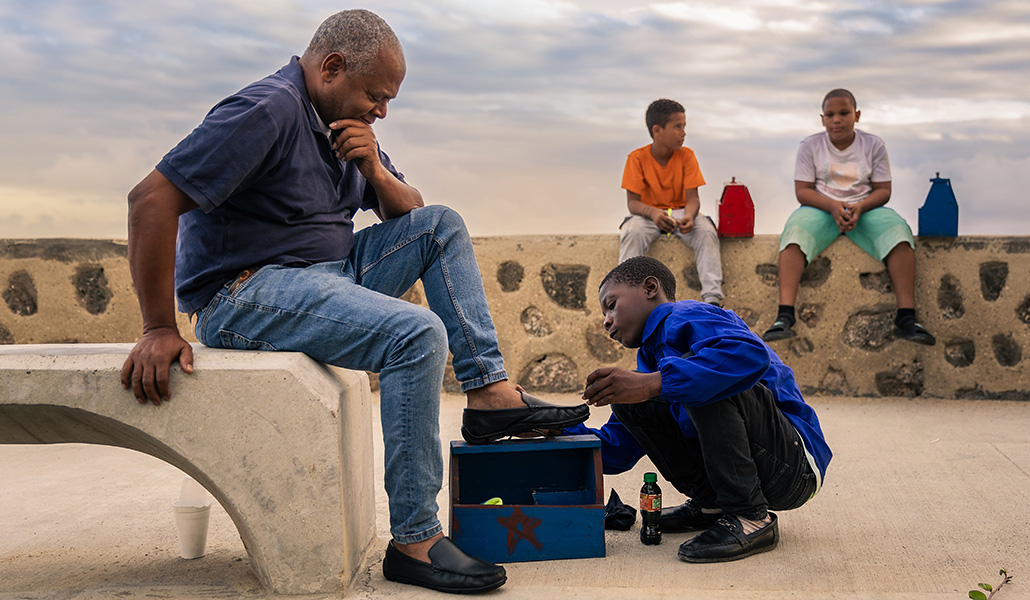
(282,442)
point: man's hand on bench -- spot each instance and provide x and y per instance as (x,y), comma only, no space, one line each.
(147,368)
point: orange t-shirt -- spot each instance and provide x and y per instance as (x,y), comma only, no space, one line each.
(658,186)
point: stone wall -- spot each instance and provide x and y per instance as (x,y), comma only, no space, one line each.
(543,295)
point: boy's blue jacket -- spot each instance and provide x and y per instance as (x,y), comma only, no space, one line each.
(706,354)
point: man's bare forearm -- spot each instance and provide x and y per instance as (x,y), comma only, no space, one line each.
(154,208)
(396,198)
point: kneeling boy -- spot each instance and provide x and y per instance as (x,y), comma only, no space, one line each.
(712,406)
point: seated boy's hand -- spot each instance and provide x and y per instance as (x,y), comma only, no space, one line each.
(686,224)
(853,212)
(841,216)
(664,222)
(615,385)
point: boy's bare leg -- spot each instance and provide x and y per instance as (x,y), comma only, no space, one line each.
(791,264)
(901,265)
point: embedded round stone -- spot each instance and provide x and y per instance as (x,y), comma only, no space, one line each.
(906,380)
(91,288)
(552,373)
(21,296)
(870,329)
(817,272)
(749,316)
(810,314)
(767,273)
(878,282)
(834,382)
(602,347)
(534,322)
(993,277)
(801,346)
(1006,351)
(949,298)
(960,352)
(510,275)
(566,284)
(691,277)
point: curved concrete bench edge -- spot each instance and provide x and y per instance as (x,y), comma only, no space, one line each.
(284,443)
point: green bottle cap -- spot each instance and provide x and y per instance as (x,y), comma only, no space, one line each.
(650,477)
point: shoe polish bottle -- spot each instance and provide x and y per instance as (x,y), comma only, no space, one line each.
(650,510)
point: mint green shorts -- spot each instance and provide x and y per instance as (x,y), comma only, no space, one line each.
(877,232)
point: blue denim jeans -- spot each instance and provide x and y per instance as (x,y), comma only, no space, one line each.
(347,314)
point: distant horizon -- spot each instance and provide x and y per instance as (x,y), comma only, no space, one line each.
(519,114)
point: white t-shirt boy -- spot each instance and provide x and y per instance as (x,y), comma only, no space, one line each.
(846,175)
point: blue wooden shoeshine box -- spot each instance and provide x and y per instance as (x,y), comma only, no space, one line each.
(552,492)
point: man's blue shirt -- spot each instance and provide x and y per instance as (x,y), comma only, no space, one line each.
(269,187)
(706,354)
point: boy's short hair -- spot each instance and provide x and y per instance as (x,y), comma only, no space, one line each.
(633,271)
(840,93)
(659,112)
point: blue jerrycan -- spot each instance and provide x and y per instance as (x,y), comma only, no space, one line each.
(938,217)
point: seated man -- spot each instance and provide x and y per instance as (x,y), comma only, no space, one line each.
(661,181)
(716,411)
(261,196)
(842,179)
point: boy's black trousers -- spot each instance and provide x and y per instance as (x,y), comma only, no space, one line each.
(748,458)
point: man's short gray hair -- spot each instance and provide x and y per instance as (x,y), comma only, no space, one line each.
(359,35)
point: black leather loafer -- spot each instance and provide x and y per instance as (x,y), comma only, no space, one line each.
(451,570)
(485,426)
(726,541)
(685,517)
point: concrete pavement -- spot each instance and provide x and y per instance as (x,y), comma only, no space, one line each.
(923,500)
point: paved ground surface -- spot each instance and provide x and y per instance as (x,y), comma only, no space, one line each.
(924,499)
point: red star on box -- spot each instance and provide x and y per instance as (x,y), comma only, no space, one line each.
(520,526)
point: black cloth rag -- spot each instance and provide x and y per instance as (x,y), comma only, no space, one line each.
(618,515)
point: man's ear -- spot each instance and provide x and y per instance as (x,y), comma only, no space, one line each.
(332,66)
(858,114)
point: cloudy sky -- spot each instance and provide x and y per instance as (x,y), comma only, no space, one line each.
(519,113)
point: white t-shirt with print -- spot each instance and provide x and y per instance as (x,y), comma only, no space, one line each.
(846,175)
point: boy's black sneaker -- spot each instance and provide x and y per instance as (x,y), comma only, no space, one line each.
(909,329)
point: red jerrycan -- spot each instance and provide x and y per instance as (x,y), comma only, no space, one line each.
(736,211)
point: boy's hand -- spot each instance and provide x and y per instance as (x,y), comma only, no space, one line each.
(664,222)
(686,224)
(852,213)
(615,385)
(841,216)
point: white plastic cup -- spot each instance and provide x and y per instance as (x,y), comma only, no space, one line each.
(192,493)
(192,521)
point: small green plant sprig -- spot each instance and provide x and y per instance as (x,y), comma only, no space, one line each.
(978,595)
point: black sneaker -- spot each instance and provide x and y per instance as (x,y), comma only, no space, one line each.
(912,331)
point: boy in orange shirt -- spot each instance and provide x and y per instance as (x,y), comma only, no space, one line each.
(661,181)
